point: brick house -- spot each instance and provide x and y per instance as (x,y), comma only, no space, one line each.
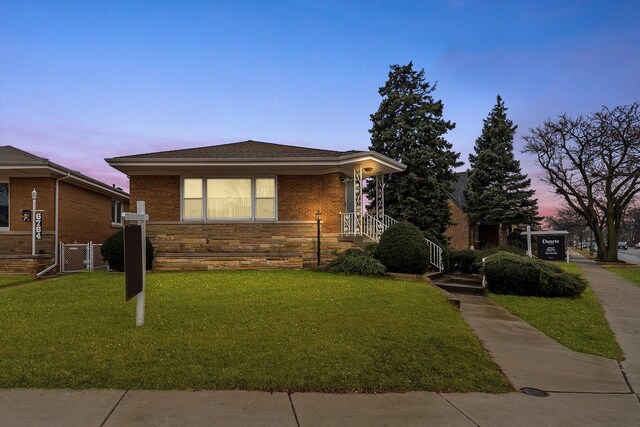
(254,204)
(466,234)
(75,208)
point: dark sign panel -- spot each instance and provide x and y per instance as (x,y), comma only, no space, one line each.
(133,260)
(38,225)
(552,247)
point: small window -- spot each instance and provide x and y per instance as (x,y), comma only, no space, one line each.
(265,198)
(4,206)
(192,198)
(116,212)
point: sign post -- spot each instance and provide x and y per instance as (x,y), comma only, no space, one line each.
(135,258)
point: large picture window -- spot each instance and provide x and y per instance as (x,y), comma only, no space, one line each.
(229,199)
(4,205)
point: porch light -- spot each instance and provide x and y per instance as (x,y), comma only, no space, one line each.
(318,215)
(369,169)
(34,194)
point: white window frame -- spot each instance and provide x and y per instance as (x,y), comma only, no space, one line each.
(253,199)
(113,213)
(8,227)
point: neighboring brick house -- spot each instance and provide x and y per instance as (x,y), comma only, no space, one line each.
(254,204)
(75,208)
(466,234)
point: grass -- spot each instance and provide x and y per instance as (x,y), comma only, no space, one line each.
(11,280)
(578,324)
(269,330)
(629,273)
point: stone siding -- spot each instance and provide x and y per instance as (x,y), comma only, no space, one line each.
(18,264)
(240,245)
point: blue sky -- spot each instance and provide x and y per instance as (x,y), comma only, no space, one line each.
(85,80)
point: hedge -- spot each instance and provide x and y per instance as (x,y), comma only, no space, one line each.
(519,275)
(112,251)
(356,261)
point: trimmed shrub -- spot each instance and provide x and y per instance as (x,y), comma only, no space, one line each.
(518,275)
(372,249)
(517,239)
(112,251)
(403,249)
(356,261)
(467,261)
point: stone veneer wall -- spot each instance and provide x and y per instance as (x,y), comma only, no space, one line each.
(22,264)
(201,246)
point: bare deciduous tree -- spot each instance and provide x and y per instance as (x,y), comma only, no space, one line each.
(593,162)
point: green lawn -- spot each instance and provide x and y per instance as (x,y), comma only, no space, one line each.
(8,280)
(578,324)
(269,330)
(630,273)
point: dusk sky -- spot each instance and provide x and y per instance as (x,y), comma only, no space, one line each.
(85,80)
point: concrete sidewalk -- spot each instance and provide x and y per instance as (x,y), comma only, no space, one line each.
(620,300)
(244,408)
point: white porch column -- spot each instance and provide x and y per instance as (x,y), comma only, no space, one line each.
(380,196)
(357,199)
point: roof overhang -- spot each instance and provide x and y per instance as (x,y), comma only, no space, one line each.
(39,170)
(372,163)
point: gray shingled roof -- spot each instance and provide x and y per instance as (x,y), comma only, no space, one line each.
(458,187)
(13,155)
(239,150)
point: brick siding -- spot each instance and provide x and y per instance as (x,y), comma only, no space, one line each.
(458,233)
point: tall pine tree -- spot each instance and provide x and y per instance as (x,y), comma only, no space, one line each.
(409,127)
(497,191)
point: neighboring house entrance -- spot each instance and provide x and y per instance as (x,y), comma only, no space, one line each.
(489,236)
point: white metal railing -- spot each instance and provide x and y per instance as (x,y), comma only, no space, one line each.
(435,255)
(373,228)
(369,226)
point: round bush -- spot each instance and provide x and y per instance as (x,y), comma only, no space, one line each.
(112,251)
(356,261)
(518,275)
(403,249)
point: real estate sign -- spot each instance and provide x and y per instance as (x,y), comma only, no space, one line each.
(552,247)
(133,268)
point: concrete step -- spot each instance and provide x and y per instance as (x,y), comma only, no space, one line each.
(466,279)
(461,288)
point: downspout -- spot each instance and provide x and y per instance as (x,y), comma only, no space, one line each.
(55,239)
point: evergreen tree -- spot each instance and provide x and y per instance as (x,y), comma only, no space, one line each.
(408,127)
(497,191)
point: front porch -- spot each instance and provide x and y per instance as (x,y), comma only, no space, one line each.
(368,226)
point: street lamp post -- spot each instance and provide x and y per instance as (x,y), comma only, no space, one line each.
(34,196)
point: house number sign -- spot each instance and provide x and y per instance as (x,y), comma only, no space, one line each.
(38,225)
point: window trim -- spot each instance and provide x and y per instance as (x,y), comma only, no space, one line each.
(253,218)
(8,227)
(113,212)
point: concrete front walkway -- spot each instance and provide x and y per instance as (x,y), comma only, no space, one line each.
(620,300)
(530,358)
(244,408)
